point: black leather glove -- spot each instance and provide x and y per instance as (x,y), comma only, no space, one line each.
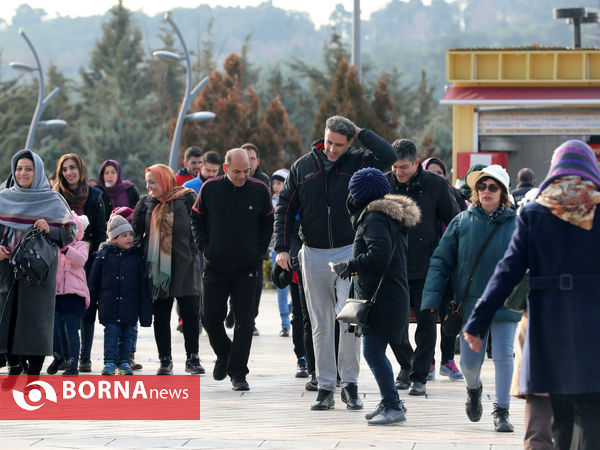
(342,270)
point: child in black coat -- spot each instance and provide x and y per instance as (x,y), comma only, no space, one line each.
(117,282)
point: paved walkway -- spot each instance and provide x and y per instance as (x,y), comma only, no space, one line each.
(275,412)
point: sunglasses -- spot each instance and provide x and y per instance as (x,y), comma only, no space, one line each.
(490,187)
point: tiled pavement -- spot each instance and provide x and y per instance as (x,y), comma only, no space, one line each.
(275,412)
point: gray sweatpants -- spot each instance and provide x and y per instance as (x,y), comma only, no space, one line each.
(325,297)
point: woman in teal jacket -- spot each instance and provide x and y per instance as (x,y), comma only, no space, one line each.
(454,258)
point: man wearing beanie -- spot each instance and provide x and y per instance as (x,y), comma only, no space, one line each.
(434,197)
(317,188)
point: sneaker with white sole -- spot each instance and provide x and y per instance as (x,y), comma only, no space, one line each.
(450,370)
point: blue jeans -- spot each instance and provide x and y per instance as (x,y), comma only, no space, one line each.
(87,339)
(117,342)
(282,301)
(374,352)
(503,338)
(70,323)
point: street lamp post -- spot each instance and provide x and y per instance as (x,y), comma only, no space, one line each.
(41,101)
(189,95)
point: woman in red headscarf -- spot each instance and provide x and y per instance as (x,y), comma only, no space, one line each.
(161,223)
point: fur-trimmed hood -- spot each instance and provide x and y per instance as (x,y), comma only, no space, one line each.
(401,208)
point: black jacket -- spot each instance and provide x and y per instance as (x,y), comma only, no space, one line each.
(118,287)
(95,233)
(434,196)
(320,195)
(132,198)
(186,267)
(381,223)
(233,225)
(521,190)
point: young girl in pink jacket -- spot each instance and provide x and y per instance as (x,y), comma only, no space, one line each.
(72,299)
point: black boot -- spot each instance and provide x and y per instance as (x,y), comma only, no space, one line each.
(166,366)
(71,368)
(192,364)
(473,405)
(350,397)
(312,385)
(501,422)
(55,364)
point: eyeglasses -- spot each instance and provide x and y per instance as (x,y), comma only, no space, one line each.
(490,187)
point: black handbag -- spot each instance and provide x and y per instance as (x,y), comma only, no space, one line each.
(452,321)
(358,311)
(33,256)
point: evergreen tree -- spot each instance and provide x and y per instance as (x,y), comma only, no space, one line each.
(119,118)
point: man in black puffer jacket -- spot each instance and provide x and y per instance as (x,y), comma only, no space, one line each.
(434,196)
(317,187)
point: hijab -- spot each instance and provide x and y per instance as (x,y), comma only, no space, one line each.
(117,192)
(160,239)
(571,190)
(21,207)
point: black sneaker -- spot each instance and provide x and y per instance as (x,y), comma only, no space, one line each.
(166,366)
(417,388)
(403,380)
(55,364)
(501,423)
(2,360)
(239,383)
(324,401)
(312,385)
(473,405)
(220,369)
(193,366)
(350,397)
(302,368)
(85,364)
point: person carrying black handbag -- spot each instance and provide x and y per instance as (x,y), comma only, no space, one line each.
(379,220)
(27,314)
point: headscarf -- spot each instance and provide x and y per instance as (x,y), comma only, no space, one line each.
(160,239)
(118,192)
(434,160)
(77,198)
(21,207)
(571,190)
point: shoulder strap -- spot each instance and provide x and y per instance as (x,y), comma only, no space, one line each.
(386,267)
(485,244)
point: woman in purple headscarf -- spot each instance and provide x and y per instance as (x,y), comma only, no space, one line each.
(115,191)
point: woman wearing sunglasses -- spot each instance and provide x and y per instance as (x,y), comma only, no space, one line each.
(457,257)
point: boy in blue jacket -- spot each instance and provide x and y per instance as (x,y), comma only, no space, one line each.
(118,285)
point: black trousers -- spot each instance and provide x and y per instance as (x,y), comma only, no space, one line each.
(259,288)
(447,343)
(297,321)
(189,310)
(33,363)
(425,337)
(240,286)
(576,421)
(309,351)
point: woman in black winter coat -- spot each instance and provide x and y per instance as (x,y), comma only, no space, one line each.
(381,222)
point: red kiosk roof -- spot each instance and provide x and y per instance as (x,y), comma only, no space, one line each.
(486,95)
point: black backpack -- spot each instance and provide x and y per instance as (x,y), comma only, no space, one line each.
(32,257)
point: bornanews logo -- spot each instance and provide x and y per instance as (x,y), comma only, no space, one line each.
(150,397)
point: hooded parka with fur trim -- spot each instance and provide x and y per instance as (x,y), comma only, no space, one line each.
(377,228)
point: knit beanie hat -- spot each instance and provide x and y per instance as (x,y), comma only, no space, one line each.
(123,211)
(280,175)
(573,158)
(281,277)
(465,190)
(117,225)
(368,184)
